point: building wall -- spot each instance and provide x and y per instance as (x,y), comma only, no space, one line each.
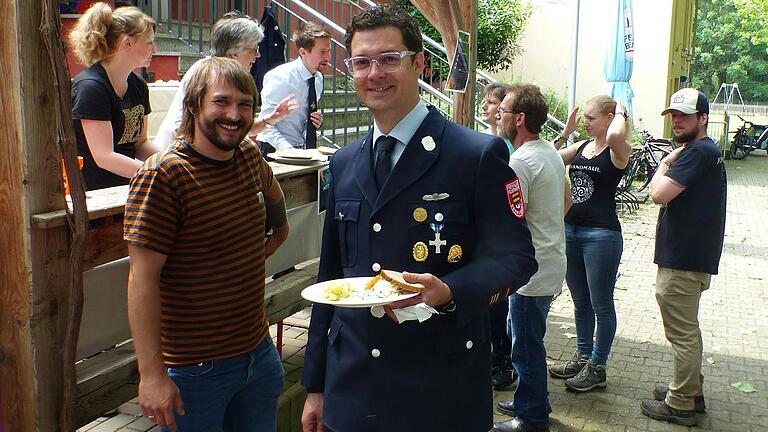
(547,42)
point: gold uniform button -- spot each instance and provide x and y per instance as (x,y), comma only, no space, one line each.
(419,214)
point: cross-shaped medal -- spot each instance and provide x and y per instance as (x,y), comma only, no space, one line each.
(437,242)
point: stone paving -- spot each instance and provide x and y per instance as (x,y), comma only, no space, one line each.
(734,321)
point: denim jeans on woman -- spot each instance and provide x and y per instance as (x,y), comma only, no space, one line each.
(235,394)
(593,260)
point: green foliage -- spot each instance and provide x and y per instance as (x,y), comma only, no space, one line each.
(732,46)
(500,24)
(558,107)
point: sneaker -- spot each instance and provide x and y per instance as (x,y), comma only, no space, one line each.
(659,410)
(504,377)
(660,393)
(590,377)
(570,368)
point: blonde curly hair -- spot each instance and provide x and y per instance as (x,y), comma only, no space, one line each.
(97,33)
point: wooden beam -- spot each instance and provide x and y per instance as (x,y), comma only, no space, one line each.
(17,392)
(448,17)
(32,262)
(465,15)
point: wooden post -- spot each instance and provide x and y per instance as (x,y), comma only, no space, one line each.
(448,17)
(464,103)
(33,262)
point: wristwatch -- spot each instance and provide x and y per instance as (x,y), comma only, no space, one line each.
(446,308)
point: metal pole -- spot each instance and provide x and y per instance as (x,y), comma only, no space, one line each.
(574,59)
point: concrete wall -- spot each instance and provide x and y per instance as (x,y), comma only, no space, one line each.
(547,57)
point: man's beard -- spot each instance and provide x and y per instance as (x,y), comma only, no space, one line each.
(507,134)
(208,127)
(686,137)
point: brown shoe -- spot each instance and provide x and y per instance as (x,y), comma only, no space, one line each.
(660,393)
(659,410)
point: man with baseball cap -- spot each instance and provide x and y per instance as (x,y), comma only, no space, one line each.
(690,185)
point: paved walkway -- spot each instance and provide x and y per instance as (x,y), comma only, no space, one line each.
(734,320)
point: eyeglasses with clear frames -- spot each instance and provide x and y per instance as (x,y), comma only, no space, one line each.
(388,62)
(501,111)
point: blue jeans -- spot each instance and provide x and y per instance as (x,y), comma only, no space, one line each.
(234,394)
(527,324)
(593,259)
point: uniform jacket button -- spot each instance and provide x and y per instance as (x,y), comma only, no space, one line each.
(376,267)
(375,353)
(469,344)
(377,227)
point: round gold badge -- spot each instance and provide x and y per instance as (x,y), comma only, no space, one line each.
(454,254)
(419,214)
(420,252)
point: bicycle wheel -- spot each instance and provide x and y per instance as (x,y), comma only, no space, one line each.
(645,171)
(739,148)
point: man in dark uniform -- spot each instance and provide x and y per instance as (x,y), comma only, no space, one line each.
(425,195)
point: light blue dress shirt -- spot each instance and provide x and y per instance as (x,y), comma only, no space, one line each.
(279,82)
(403,131)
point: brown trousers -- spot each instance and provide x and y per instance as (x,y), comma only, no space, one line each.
(678,293)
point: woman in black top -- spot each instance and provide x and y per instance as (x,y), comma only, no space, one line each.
(593,237)
(110,103)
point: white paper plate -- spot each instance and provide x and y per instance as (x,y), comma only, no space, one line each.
(362,298)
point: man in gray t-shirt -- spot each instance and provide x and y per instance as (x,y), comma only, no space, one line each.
(542,186)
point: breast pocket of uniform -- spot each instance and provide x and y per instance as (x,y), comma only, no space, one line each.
(441,230)
(347,213)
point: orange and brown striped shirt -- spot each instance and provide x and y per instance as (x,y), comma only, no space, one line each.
(207,217)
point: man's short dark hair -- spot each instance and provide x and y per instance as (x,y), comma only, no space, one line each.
(385,16)
(305,35)
(528,99)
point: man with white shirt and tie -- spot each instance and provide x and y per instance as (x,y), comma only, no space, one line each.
(302,78)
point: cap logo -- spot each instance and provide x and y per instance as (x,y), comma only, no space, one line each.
(680,98)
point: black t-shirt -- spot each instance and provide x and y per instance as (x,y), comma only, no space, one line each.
(593,186)
(691,227)
(93,98)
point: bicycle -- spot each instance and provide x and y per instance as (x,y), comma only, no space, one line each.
(747,138)
(644,161)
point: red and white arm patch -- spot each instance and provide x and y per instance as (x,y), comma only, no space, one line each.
(515,198)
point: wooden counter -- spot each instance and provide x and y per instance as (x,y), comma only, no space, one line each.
(106,207)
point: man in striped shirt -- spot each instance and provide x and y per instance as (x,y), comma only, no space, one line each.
(194,223)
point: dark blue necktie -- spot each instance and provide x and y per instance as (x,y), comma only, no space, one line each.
(384,147)
(312,107)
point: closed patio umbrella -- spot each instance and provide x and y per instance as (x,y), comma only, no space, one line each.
(619,56)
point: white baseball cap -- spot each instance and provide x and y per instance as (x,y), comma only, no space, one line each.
(688,101)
